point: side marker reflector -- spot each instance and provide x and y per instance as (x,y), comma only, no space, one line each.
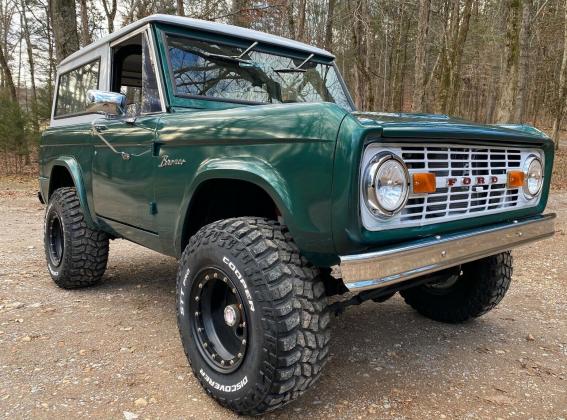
(424,183)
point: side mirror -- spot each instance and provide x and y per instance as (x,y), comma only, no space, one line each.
(111,104)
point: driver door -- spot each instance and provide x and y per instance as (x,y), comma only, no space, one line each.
(123,161)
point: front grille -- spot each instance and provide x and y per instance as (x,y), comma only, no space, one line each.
(456,162)
(454,199)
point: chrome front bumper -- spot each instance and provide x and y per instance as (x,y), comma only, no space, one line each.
(404,262)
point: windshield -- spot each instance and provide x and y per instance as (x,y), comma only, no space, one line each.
(221,71)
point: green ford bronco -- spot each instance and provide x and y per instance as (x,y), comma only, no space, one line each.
(242,155)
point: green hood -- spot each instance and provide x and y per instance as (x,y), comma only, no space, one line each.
(406,125)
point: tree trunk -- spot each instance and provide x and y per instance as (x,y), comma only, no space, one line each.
(418,102)
(180,8)
(85,32)
(523,64)
(329,25)
(454,38)
(562,94)
(31,62)
(239,15)
(110,12)
(64,19)
(8,79)
(301,21)
(509,80)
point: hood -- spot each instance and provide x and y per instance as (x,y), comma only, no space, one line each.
(439,126)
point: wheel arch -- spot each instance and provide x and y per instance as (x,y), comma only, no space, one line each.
(66,172)
(260,179)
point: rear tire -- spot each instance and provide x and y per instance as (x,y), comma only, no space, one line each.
(278,301)
(76,254)
(480,287)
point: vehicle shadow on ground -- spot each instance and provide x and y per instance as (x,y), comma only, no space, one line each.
(375,347)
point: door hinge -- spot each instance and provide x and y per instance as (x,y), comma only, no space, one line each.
(153,207)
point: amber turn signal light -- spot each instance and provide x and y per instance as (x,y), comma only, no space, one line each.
(515,179)
(424,183)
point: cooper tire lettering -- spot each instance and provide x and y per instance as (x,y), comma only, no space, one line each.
(240,278)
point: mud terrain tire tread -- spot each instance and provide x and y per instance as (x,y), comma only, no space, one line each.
(86,250)
(294,306)
(480,289)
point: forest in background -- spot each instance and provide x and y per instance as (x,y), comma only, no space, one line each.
(484,60)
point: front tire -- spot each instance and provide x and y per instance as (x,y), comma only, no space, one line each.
(252,315)
(476,289)
(76,254)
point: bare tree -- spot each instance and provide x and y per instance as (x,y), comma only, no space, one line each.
(110,12)
(562,93)
(329,25)
(418,103)
(7,76)
(509,80)
(64,20)
(524,59)
(239,15)
(180,8)
(457,20)
(31,62)
(301,20)
(85,32)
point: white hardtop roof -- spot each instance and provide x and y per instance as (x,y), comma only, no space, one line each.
(202,25)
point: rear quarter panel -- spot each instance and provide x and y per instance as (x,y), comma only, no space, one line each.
(69,146)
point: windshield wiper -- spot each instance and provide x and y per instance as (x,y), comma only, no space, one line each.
(297,69)
(234,58)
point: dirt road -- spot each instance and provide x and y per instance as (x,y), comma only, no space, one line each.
(113,351)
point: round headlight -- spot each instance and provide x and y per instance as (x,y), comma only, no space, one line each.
(386,186)
(533,170)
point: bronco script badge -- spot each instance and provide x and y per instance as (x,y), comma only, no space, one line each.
(166,161)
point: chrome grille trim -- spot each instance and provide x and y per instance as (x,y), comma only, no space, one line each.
(458,201)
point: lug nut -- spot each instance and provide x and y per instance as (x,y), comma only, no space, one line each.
(239,355)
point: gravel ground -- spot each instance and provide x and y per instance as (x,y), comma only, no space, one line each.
(113,351)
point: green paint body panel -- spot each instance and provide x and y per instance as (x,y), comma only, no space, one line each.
(305,156)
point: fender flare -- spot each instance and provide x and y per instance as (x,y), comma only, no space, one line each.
(74,169)
(249,169)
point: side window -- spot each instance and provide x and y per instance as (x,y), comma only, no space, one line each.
(134,75)
(73,87)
